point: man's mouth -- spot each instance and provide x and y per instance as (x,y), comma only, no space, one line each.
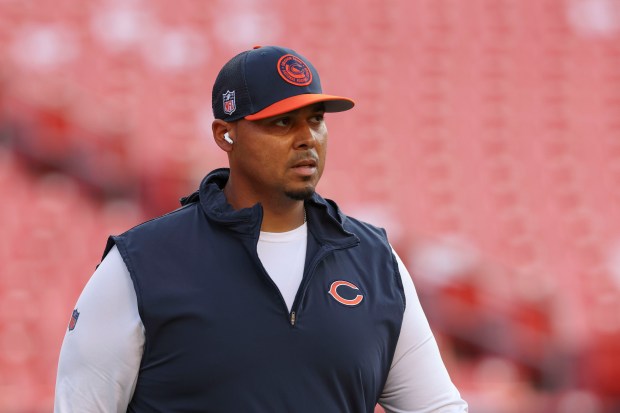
(306,167)
(305,163)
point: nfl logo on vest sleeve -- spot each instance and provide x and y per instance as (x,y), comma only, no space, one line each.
(229,102)
(74,319)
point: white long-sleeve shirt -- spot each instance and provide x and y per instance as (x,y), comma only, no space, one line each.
(100,358)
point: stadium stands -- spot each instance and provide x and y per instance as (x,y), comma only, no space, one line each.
(486,138)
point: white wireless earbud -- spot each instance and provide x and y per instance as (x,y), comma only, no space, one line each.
(227,138)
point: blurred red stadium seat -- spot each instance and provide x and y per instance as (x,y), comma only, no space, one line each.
(496,121)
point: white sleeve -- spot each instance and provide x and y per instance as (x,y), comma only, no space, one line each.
(418,381)
(100,357)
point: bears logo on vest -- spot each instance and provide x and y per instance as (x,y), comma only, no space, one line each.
(294,70)
(333,291)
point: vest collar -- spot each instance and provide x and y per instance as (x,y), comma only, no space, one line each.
(325,220)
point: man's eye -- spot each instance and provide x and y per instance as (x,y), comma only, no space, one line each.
(319,118)
(283,122)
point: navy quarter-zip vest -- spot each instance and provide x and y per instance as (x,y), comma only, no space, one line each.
(218,335)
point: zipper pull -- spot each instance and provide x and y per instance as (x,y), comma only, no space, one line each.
(292,318)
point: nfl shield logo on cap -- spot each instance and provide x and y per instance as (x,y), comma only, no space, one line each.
(229,102)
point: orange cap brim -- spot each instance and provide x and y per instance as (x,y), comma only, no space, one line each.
(332,104)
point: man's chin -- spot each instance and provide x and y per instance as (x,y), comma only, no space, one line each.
(300,194)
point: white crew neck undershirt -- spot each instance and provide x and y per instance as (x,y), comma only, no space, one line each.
(283,254)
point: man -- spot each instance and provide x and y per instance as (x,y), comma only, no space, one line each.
(257,295)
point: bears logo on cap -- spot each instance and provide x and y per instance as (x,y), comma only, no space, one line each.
(294,70)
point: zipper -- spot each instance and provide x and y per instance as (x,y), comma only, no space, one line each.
(323,253)
(291,316)
(254,252)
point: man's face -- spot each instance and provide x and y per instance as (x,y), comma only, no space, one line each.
(282,157)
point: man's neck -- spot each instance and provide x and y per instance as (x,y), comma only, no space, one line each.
(287,220)
(278,215)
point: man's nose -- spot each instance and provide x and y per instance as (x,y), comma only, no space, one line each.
(306,136)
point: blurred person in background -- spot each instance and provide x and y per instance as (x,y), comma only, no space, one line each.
(257,294)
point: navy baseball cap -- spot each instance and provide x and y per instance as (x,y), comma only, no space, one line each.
(268,81)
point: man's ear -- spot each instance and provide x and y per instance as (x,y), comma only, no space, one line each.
(220,128)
